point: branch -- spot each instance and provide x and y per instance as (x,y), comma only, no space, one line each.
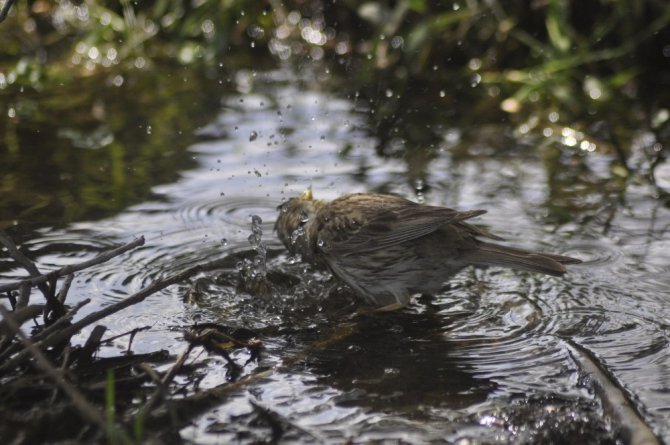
(67,270)
(63,321)
(24,261)
(86,410)
(18,256)
(67,332)
(5,9)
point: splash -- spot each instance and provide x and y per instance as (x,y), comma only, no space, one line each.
(253,271)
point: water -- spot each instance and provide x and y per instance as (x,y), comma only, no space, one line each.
(485,361)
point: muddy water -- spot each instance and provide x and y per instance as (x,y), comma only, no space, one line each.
(487,360)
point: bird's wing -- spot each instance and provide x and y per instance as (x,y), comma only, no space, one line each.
(390,227)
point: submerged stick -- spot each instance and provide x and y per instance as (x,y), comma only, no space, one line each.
(70,269)
(615,403)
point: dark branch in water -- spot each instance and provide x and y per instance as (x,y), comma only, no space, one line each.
(614,400)
(5,9)
(67,270)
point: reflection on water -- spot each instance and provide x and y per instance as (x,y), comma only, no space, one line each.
(483,361)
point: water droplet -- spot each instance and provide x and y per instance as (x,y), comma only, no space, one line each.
(224,242)
(297,234)
(253,136)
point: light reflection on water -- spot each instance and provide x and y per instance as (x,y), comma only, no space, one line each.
(462,365)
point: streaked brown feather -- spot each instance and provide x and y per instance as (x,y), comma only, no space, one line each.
(373,224)
(387,247)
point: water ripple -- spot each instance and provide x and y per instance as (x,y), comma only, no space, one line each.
(234,210)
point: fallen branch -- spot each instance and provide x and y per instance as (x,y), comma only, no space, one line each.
(72,268)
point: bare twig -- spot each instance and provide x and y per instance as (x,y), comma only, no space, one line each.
(92,344)
(61,321)
(24,296)
(162,386)
(23,260)
(64,288)
(70,269)
(69,331)
(63,366)
(20,316)
(18,256)
(49,330)
(151,372)
(86,410)
(185,408)
(131,333)
(5,9)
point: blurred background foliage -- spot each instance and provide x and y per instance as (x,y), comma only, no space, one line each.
(584,76)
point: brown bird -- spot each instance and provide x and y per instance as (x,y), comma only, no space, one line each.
(388,248)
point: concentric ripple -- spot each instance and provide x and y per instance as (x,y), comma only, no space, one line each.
(234,211)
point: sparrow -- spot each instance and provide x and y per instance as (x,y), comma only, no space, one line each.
(388,248)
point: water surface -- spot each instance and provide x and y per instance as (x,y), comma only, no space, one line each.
(487,360)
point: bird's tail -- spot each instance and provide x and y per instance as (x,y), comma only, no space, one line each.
(489,254)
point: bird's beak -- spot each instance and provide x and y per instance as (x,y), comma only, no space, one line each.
(307,195)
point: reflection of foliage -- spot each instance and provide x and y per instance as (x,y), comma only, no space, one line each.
(88,150)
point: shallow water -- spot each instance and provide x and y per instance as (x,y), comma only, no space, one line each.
(485,361)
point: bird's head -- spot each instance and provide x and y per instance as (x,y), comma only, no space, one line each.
(294,214)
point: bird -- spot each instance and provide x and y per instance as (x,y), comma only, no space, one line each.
(388,248)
